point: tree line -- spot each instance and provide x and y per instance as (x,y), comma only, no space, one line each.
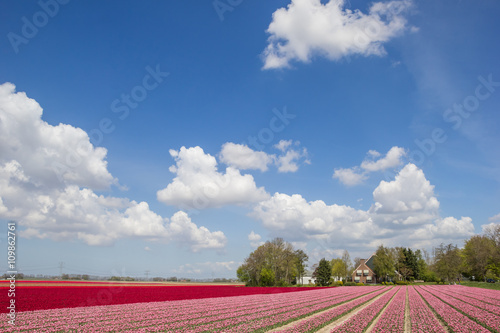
(277,263)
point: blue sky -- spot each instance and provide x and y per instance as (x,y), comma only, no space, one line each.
(175,137)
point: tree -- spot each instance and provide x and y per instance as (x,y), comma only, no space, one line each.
(383,263)
(448,262)
(346,259)
(267,277)
(493,233)
(422,266)
(275,262)
(357,262)
(479,252)
(300,263)
(338,268)
(323,273)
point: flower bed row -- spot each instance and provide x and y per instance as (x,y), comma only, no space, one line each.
(393,318)
(483,295)
(421,317)
(451,291)
(455,320)
(486,318)
(314,323)
(38,298)
(363,318)
(192,315)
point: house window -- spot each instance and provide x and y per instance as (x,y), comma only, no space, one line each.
(365,272)
(369,278)
(356,279)
(359,272)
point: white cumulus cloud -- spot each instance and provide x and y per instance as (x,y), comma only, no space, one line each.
(391,160)
(308,28)
(350,177)
(61,203)
(404,208)
(408,199)
(242,157)
(198,184)
(52,156)
(494,218)
(255,239)
(358,174)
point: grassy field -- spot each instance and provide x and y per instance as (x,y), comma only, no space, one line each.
(485,285)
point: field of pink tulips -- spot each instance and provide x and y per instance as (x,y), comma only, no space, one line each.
(343,309)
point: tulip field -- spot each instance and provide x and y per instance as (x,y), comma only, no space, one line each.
(415,309)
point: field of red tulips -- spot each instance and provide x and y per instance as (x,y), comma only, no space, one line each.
(344,309)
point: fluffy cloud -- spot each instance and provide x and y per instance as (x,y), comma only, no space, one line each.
(409,199)
(79,213)
(52,156)
(60,203)
(495,218)
(308,28)
(295,217)
(242,157)
(255,239)
(199,185)
(196,238)
(357,175)
(391,160)
(447,228)
(403,208)
(288,161)
(350,177)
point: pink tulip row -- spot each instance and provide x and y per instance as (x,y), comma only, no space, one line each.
(421,317)
(481,316)
(484,295)
(452,291)
(458,322)
(316,322)
(363,318)
(393,318)
(191,315)
(272,318)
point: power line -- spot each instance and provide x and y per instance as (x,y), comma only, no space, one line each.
(61,266)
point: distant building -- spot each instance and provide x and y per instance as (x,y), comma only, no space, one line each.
(306,278)
(365,272)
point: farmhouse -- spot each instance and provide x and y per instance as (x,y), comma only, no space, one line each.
(365,271)
(306,278)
